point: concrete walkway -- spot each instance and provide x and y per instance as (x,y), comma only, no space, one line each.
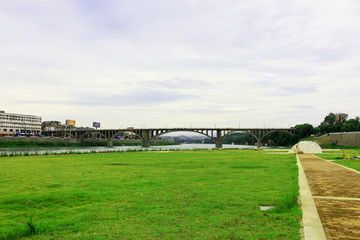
(336,193)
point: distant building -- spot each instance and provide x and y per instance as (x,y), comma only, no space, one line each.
(19,124)
(51,126)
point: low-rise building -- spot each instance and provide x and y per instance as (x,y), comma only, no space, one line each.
(52,126)
(19,124)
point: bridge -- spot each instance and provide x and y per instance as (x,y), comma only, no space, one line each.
(216,134)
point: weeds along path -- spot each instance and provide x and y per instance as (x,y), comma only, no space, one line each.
(336,192)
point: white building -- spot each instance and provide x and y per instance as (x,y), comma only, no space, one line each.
(19,124)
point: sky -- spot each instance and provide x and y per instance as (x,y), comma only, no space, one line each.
(188,63)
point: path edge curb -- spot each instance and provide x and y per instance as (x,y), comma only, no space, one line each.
(311,223)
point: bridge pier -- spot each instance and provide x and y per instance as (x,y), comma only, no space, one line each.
(110,138)
(145,141)
(259,134)
(110,142)
(218,141)
(258,144)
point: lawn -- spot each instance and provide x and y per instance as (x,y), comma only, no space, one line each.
(150,195)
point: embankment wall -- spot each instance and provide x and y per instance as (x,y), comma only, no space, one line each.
(341,139)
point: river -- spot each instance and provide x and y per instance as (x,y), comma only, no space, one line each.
(116,148)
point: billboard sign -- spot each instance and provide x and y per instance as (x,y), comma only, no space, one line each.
(96,124)
(70,122)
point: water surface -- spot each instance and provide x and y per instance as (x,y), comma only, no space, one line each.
(116,148)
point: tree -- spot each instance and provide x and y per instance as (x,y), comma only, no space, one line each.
(351,125)
(304,130)
(330,123)
(280,139)
(330,119)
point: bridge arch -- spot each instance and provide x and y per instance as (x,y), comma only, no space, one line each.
(259,134)
(171,131)
(274,136)
(184,130)
(240,131)
(288,132)
(113,133)
(116,134)
(82,136)
(147,134)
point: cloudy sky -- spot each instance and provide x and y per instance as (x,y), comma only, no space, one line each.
(167,63)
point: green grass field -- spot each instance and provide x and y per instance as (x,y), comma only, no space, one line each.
(150,195)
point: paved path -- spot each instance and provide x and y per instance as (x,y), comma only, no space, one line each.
(336,192)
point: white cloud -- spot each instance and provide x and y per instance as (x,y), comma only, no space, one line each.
(174,62)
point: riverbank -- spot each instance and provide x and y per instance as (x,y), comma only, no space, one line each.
(41,144)
(31,151)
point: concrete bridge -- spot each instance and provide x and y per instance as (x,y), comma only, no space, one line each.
(216,134)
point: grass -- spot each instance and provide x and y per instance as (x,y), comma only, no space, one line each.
(334,146)
(18,154)
(149,195)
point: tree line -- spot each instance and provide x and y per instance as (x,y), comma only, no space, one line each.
(333,122)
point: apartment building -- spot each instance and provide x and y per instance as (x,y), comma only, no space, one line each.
(19,124)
